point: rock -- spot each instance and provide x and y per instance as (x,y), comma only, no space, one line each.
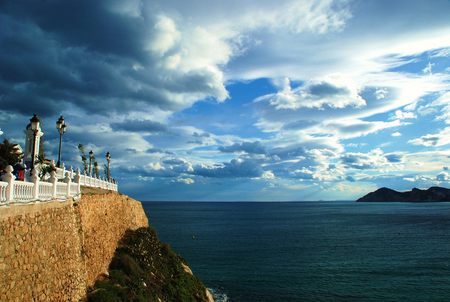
(433,194)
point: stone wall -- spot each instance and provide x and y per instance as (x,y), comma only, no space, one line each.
(52,251)
(103,224)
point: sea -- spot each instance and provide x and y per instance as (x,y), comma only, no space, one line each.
(311,251)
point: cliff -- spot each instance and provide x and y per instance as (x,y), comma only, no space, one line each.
(55,251)
(433,194)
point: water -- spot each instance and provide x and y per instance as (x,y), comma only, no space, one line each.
(306,251)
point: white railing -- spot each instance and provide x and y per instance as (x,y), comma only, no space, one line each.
(3,186)
(23,191)
(46,190)
(85,180)
(69,185)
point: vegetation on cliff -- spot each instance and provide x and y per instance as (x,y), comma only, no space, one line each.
(145,269)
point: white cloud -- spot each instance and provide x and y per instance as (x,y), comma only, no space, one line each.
(187,181)
(374,160)
(166,35)
(428,68)
(381,93)
(402,115)
(433,140)
(395,134)
(443,100)
(335,91)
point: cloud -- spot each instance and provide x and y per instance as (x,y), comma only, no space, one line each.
(443,176)
(374,160)
(141,126)
(236,168)
(350,179)
(433,140)
(166,35)
(247,147)
(187,181)
(402,115)
(111,62)
(335,91)
(381,93)
(205,134)
(394,157)
(196,142)
(154,150)
(444,102)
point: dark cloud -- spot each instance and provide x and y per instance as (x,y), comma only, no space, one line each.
(350,179)
(205,134)
(357,161)
(394,157)
(247,147)
(237,168)
(154,150)
(89,55)
(197,142)
(141,126)
(146,171)
(300,125)
(326,89)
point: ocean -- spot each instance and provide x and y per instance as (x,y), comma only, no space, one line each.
(311,251)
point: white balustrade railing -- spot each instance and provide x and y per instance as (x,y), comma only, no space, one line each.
(23,191)
(3,186)
(46,190)
(61,189)
(68,185)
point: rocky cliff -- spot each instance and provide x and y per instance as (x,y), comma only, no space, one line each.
(55,251)
(433,194)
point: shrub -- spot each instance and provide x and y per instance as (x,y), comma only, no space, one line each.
(144,269)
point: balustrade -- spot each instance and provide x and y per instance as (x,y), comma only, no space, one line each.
(34,189)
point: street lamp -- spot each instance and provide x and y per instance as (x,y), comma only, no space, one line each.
(35,128)
(61,126)
(108,158)
(91,154)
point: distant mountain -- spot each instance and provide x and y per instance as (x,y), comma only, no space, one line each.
(433,194)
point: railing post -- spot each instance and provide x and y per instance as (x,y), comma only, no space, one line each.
(76,179)
(9,178)
(67,181)
(63,167)
(35,180)
(53,180)
(71,172)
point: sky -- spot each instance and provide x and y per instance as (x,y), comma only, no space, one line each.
(238,100)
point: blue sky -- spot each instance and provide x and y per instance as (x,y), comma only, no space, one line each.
(236,100)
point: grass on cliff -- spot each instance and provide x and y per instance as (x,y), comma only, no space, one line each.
(145,269)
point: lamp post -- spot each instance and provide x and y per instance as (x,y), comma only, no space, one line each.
(61,126)
(35,128)
(91,154)
(108,158)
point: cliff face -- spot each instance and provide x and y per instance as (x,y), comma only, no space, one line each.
(433,194)
(52,251)
(103,221)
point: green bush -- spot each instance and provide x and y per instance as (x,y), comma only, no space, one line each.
(144,269)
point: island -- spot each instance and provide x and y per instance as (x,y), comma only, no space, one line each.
(433,194)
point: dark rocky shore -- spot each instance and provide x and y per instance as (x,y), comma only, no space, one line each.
(433,194)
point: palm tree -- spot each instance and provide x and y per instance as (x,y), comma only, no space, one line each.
(42,166)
